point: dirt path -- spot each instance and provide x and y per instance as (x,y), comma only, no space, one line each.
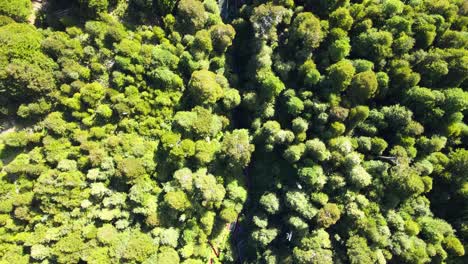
(37,5)
(7,127)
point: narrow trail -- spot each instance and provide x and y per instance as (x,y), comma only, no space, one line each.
(37,5)
(6,127)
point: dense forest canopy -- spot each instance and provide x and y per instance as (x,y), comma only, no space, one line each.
(234,131)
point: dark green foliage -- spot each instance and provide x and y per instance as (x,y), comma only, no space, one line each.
(271,85)
(266,18)
(306,32)
(341,18)
(163,131)
(314,248)
(425,30)
(270,203)
(363,86)
(236,148)
(328,215)
(164,7)
(309,73)
(222,36)
(191,16)
(340,75)
(19,10)
(25,70)
(24,79)
(204,87)
(93,7)
(163,78)
(374,45)
(359,251)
